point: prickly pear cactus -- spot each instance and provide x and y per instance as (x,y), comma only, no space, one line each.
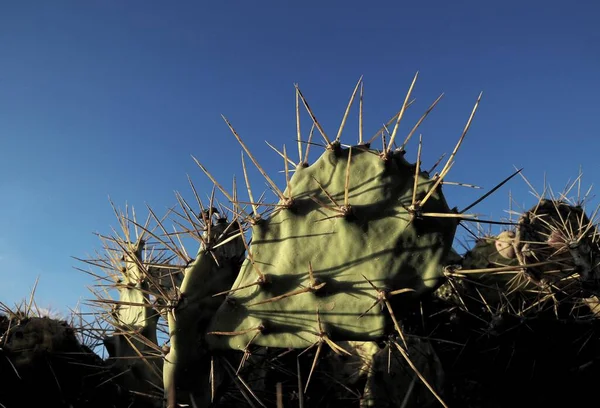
(348,233)
(562,236)
(549,257)
(354,239)
(52,357)
(133,347)
(187,369)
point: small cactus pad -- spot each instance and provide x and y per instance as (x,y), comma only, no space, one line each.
(214,269)
(136,323)
(347,234)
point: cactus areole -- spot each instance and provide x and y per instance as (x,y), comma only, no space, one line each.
(348,233)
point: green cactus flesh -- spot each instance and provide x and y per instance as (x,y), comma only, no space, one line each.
(377,236)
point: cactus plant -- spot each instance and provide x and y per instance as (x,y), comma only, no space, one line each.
(48,361)
(136,326)
(133,348)
(355,254)
(188,364)
(517,305)
(350,232)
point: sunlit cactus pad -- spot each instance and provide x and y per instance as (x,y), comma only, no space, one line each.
(347,229)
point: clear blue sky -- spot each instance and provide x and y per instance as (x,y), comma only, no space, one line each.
(103,98)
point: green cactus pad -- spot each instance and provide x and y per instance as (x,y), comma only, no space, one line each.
(132,350)
(186,370)
(378,238)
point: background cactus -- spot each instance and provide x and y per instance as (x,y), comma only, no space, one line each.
(133,347)
(48,361)
(135,268)
(519,311)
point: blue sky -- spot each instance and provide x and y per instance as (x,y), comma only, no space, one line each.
(102,98)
